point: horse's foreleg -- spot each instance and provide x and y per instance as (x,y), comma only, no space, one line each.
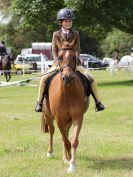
(66,156)
(74,143)
(66,142)
(5,74)
(8,76)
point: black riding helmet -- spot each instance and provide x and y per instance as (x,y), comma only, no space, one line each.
(2,42)
(65,14)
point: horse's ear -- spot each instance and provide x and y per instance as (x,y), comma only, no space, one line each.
(73,43)
(58,43)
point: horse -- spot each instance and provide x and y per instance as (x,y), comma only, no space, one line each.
(125,64)
(108,61)
(66,104)
(5,66)
(128,60)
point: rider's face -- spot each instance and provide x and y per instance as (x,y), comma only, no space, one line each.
(67,24)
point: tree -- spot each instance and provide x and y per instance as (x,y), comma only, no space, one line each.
(37,15)
(117,39)
(44,14)
(30,21)
(35,20)
(103,15)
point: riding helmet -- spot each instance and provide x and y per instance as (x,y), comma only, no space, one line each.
(65,14)
(2,42)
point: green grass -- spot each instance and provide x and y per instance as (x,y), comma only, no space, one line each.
(106,138)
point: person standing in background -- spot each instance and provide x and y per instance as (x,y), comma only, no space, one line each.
(117,56)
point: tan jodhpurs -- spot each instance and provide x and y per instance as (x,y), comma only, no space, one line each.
(54,68)
(42,83)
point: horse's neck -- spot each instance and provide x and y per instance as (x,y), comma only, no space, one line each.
(71,88)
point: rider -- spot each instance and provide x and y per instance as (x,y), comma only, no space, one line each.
(117,56)
(65,18)
(2,49)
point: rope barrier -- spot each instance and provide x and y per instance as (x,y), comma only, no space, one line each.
(39,70)
(92,68)
(22,82)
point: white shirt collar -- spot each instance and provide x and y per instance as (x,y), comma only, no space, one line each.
(65,30)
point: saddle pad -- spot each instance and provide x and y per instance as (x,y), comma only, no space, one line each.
(84,80)
(48,82)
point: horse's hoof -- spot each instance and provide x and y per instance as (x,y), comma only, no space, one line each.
(50,155)
(65,160)
(71,169)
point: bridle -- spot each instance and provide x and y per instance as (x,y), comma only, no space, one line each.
(66,65)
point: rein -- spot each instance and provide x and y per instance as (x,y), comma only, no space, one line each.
(66,49)
(67,65)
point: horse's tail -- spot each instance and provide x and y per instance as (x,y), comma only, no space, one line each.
(44,125)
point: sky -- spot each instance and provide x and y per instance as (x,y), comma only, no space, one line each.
(3,20)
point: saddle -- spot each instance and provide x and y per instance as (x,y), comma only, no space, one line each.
(48,82)
(86,83)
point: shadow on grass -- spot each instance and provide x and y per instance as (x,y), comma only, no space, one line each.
(113,163)
(119,83)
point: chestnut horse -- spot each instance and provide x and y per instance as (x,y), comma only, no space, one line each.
(66,103)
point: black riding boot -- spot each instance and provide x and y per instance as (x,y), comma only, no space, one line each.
(38,107)
(99,105)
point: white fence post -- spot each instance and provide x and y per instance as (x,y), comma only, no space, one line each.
(44,64)
(23,68)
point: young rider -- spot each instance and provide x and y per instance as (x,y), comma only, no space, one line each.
(2,49)
(66,33)
(117,56)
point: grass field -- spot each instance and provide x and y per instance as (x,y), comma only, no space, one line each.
(106,138)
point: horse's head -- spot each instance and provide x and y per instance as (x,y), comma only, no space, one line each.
(67,61)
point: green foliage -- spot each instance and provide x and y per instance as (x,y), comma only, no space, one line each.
(31,21)
(37,14)
(89,44)
(117,39)
(105,14)
(35,20)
